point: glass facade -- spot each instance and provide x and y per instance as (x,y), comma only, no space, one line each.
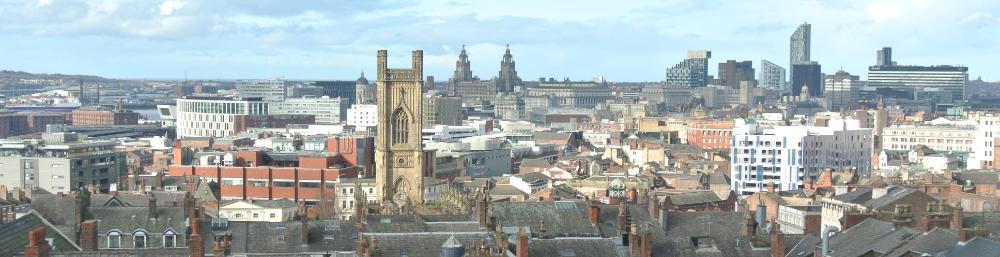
(917,78)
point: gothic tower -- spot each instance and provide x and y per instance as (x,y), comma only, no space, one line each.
(399,154)
(508,78)
(462,70)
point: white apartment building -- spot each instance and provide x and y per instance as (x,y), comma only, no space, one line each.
(984,148)
(937,137)
(362,115)
(347,190)
(326,110)
(787,155)
(267,89)
(214,116)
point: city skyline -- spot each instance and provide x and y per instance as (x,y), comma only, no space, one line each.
(636,42)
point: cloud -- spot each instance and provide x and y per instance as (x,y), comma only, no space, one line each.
(633,41)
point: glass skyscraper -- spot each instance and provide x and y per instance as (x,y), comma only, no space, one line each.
(799,47)
(692,72)
(771,75)
(916,78)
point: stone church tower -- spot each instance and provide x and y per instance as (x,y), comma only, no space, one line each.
(399,154)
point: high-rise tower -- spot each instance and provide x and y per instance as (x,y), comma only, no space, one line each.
(507,79)
(799,47)
(399,154)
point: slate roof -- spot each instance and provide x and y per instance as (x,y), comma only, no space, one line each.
(870,235)
(690,198)
(280,238)
(578,247)
(532,177)
(535,163)
(988,220)
(138,199)
(892,195)
(58,210)
(976,247)
(426,244)
(859,196)
(934,241)
(129,219)
(14,235)
(804,247)
(558,222)
(682,227)
(979,177)
(506,190)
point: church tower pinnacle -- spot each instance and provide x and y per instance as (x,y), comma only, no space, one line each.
(399,153)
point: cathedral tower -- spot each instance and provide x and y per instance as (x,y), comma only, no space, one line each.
(463,72)
(399,154)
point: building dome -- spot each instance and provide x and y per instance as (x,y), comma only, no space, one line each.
(452,248)
(362,80)
(804,91)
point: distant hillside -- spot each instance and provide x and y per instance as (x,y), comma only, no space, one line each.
(15,76)
(982,88)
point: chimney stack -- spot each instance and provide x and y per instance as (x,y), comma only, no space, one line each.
(595,214)
(956,218)
(522,243)
(152,207)
(196,246)
(88,235)
(647,242)
(217,250)
(305,224)
(37,245)
(777,241)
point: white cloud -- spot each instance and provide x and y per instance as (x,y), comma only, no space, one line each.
(168,7)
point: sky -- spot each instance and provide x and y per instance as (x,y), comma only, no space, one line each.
(621,40)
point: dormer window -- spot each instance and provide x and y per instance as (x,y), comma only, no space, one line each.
(139,239)
(114,240)
(169,239)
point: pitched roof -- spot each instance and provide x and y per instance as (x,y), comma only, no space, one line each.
(576,247)
(720,229)
(697,197)
(561,218)
(14,235)
(934,241)
(535,163)
(128,219)
(277,238)
(533,177)
(870,235)
(974,248)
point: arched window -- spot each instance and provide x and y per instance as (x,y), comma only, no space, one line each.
(114,239)
(169,239)
(400,126)
(139,239)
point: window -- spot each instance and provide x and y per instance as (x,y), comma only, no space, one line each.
(256,215)
(284,184)
(169,239)
(238,215)
(139,239)
(114,239)
(273,215)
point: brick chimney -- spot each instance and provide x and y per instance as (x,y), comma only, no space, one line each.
(374,251)
(217,250)
(595,214)
(196,246)
(647,242)
(88,235)
(777,241)
(152,207)
(654,208)
(522,243)
(304,236)
(37,245)
(956,218)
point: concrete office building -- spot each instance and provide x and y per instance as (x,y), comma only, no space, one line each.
(265,89)
(917,78)
(214,116)
(731,73)
(60,163)
(788,155)
(442,110)
(771,75)
(581,94)
(840,90)
(325,109)
(944,138)
(362,115)
(692,72)
(985,148)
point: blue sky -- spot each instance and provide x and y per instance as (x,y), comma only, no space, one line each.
(622,40)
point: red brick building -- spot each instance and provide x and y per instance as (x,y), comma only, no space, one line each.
(104,117)
(710,134)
